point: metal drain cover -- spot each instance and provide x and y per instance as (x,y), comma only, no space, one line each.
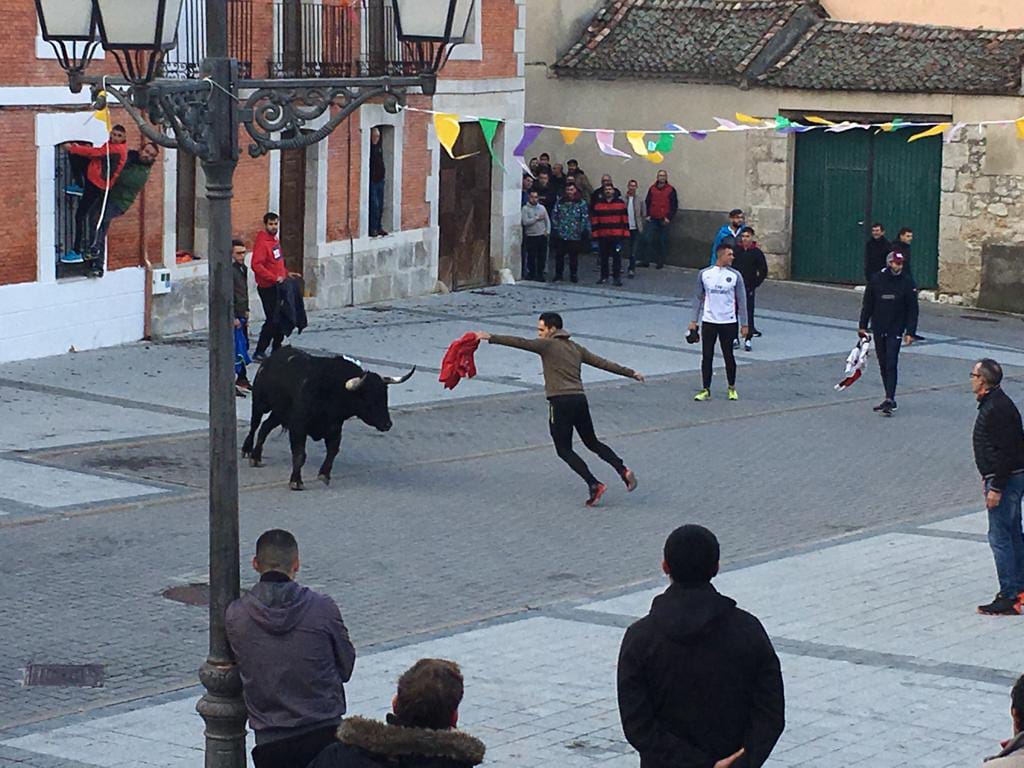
(65,675)
(189,594)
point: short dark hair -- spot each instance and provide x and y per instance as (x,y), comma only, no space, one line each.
(724,246)
(429,693)
(277,550)
(692,553)
(906,230)
(747,229)
(120,128)
(238,244)
(270,216)
(542,173)
(545,154)
(551,319)
(735,212)
(574,161)
(878,224)
(992,374)
(1017,698)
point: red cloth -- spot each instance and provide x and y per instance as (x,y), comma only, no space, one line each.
(104,167)
(267,260)
(458,361)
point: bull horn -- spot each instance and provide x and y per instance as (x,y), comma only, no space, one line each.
(353,384)
(399,379)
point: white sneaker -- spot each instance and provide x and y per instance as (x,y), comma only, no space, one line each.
(747,345)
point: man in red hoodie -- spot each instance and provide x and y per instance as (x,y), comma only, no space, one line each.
(98,169)
(270,271)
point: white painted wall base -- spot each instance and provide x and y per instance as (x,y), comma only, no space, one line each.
(42,319)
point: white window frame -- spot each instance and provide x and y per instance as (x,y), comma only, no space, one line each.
(45,51)
(473,48)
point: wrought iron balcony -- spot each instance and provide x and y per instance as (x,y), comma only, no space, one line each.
(185,61)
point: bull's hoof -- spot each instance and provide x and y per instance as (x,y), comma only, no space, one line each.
(296,485)
(325,479)
(254,462)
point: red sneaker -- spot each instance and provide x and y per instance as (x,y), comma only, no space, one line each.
(629,478)
(596,492)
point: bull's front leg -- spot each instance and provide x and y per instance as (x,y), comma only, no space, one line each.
(333,444)
(298,442)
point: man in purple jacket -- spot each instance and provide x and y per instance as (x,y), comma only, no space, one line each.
(294,656)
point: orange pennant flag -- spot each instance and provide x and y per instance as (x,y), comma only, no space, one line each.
(569,135)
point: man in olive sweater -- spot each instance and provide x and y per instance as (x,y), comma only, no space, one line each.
(562,360)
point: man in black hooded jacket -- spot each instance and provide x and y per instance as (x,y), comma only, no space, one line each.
(699,683)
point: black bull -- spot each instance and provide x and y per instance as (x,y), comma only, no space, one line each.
(312,396)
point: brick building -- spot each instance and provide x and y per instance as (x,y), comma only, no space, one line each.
(437,232)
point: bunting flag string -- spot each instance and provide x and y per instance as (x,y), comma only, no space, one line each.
(448,128)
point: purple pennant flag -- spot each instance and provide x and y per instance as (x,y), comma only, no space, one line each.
(530,134)
(698,135)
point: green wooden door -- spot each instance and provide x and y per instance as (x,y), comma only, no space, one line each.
(831,196)
(844,182)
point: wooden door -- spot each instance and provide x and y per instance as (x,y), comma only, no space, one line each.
(293,207)
(464,213)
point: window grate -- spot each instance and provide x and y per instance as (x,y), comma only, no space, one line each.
(64,209)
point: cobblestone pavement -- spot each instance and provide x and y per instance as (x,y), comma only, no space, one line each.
(463,515)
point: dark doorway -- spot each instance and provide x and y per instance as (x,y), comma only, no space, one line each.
(464,213)
(844,182)
(293,208)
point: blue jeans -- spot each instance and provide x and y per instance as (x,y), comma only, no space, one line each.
(376,206)
(656,240)
(1006,538)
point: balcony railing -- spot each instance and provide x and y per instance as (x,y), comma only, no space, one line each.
(185,60)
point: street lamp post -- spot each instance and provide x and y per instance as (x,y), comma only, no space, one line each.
(202,118)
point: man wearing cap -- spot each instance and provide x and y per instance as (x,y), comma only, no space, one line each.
(890,308)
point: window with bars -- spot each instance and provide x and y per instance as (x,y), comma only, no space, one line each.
(65,208)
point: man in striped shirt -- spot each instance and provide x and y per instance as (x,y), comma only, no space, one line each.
(720,302)
(609,226)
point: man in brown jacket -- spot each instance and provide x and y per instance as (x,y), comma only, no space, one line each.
(1012,755)
(568,409)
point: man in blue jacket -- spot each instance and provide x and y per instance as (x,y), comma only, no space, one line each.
(890,308)
(729,233)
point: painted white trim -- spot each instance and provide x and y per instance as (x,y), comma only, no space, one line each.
(371,115)
(170,246)
(45,51)
(274,175)
(488,85)
(472,49)
(41,96)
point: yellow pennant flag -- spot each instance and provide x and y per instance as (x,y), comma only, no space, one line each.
(818,120)
(636,141)
(935,130)
(1020,128)
(655,157)
(569,135)
(748,119)
(448,129)
(103,115)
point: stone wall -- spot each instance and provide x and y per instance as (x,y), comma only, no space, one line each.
(768,205)
(980,213)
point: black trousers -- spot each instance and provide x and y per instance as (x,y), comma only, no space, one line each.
(536,257)
(610,248)
(571,412)
(887,347)
(297,752)
(725,334)
(750,312)
(570,248)
(271,330)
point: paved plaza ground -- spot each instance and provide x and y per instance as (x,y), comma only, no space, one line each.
(858,540)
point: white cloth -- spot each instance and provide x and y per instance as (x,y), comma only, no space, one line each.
(856,362)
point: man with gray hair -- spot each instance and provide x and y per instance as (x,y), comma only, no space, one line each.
(999,455)
(294,656)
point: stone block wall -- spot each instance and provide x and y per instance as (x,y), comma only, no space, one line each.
(981,219)
(768,205)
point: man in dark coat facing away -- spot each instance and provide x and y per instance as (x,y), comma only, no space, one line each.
(699,683)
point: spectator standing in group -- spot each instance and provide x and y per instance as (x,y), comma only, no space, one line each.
(527,186)
(534,166)
(662,203)
(999,455)
(728,233)
(536,228)
(419,732)
(96,170)
(636,213)
(890,309)
(699,683)
(750,262)
(583,184)
(609,223)
(875,251)
(558,178)
(1012,753)
(270,270)
(546,192)
(294,656)
(378,180)
(598,194)
(240,285)
(571,225)
(544,164)
(720,306)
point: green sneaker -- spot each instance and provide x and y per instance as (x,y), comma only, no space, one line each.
(704,394)
(733,395)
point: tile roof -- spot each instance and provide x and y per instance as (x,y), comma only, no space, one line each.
(836,55)
(789,44)
(691,40)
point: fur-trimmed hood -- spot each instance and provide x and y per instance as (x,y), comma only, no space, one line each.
(396,742)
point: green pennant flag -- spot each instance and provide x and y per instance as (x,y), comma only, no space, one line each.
(490,128)
(666,142)
(782,122)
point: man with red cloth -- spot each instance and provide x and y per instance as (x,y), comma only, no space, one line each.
(269,268)
(458,361)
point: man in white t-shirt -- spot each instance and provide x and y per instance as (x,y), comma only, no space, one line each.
(720,302)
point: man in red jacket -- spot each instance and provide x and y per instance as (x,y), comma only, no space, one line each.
(662,204)
(98,169)
(609,225)
(270,271)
